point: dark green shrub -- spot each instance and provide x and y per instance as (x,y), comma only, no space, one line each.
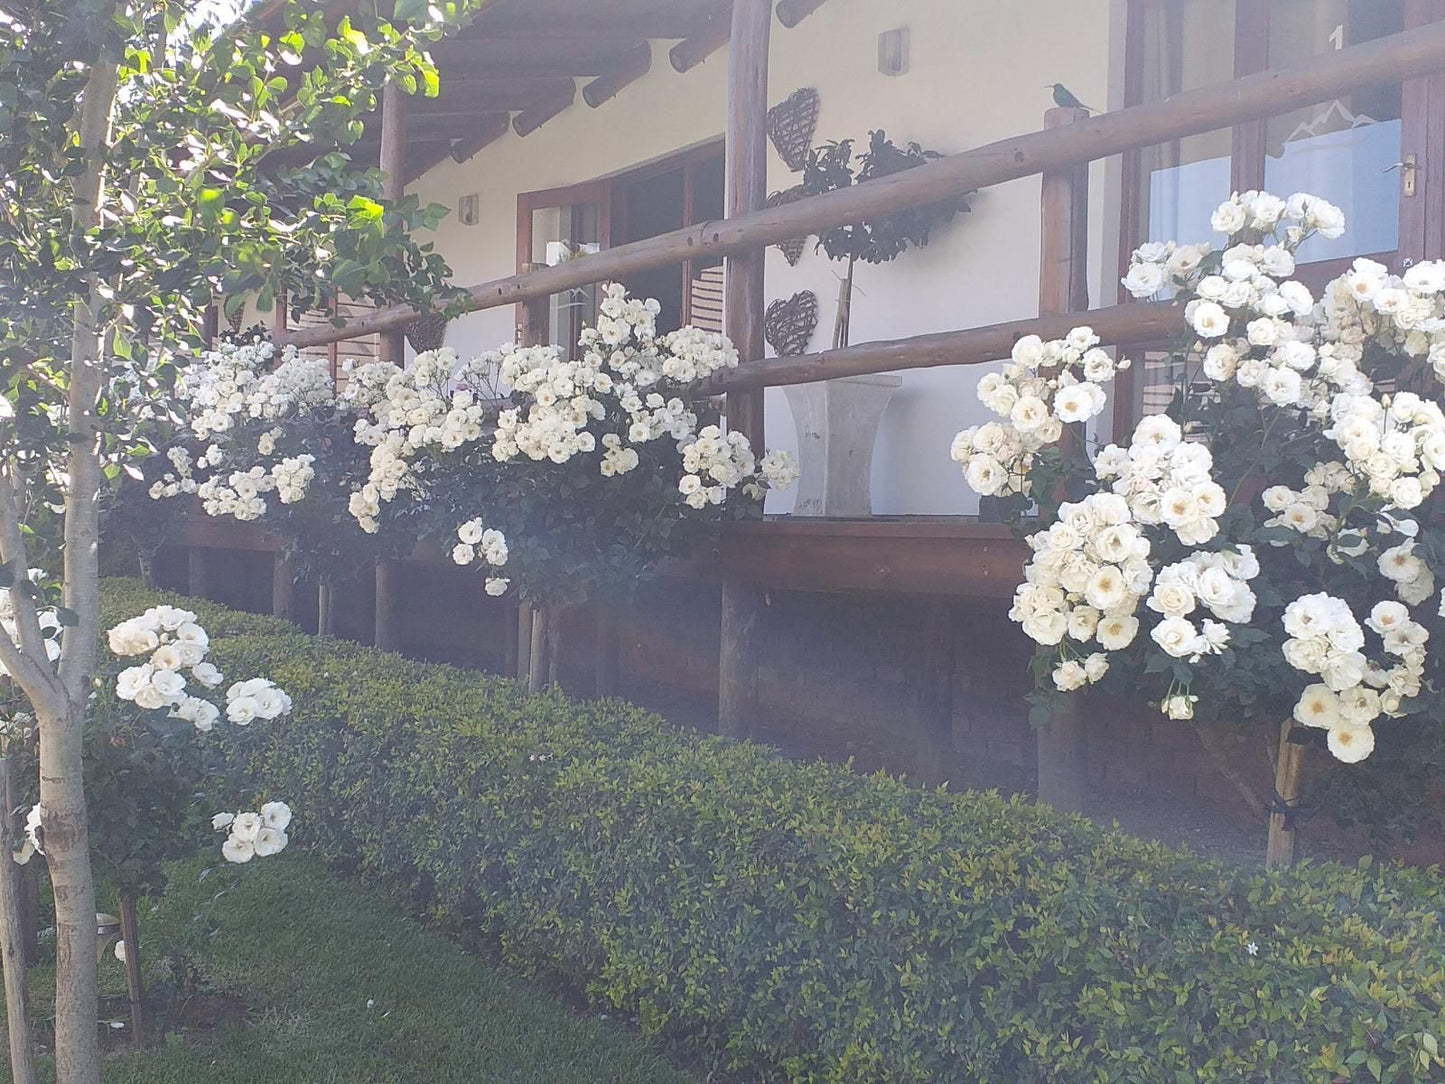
(799,922)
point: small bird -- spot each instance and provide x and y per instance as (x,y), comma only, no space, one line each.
(1064,97)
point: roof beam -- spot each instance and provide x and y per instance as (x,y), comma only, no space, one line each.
(628,69)
(525,59)
(488,131)
(529,120)
(423,155)
(691,52)
(792,12)
(508,24)
(468,97)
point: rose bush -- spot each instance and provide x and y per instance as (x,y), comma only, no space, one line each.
(1267,548)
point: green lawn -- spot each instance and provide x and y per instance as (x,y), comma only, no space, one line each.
(338,988)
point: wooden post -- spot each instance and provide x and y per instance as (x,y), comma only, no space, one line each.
(386,634)
(537,650)
(12,941)
(523,651)
(130,935)
(607,650)
(324,616)
(1064,287)
(747,191)
(935,693)
(197,578)
(283,583)
(1279,849)
(391,346)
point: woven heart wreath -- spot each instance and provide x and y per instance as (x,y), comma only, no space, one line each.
(427,332)
(791,124)
(788,325)
(792,250)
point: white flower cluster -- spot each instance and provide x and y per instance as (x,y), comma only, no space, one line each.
(293,476)
(1165,479)
(1305,510)
(1396,444)
(254,834)
(487,544)
(1045,386)
(714,461)
(177,646)
(48,620)
(433,406)
(1086,577)
(1325,639)
(1407,311)
(235,381)
(1218,582)
(180,479)
(1406,569)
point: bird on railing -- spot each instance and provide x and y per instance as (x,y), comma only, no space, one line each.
(1064,97)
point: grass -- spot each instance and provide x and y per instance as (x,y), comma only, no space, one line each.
(333,987)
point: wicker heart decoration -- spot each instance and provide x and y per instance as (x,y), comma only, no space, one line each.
(791,124)
(792,250)
(788,325)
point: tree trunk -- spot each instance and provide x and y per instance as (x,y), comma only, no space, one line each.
(12,942)
(130,935)
(67,855)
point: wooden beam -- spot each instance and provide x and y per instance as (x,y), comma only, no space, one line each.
(488,131)
(792,12)
(665,24)
(629,69)
(1117,325)
(714,34)
(468,97)
(422,156)
(525,59)
(529,120)
(746,167)
(1389,59)
(1063,289)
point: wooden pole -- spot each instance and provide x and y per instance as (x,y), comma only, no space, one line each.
(197,572)
(1115,325)
(391,346)
(386,633)
(708,39)
(1063,287)
(607,650)
(1279,848)
(792,12)
(130,935)
(533,117)
(1401,56)
(746,171)
(487,131)
(324,616)
(12,941)
(523,651)
(630,67)
(283,584)
(537,650)
(935,693)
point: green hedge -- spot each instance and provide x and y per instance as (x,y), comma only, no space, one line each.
(798,922)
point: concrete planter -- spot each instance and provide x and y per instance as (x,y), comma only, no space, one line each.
(837,423)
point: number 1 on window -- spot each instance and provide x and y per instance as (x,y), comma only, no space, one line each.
(1337,36)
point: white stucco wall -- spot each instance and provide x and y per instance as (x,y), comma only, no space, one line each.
(979,71)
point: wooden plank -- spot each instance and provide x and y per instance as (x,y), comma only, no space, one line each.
(1117,324)
(1388,59)
(746,168)
(544,109)
(1063,287)
(630,68)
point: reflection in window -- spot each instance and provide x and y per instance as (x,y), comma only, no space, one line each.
(1342,149)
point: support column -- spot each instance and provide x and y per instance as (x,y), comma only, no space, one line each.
(743,305)
(935,693)
(198,580)
(393,186)
(386,633)
(1064,287)
(283,583)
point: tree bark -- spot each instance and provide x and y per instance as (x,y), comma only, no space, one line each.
(12,942)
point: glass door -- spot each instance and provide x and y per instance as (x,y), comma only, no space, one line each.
(552,228)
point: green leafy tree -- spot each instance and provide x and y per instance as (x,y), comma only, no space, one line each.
(152,164)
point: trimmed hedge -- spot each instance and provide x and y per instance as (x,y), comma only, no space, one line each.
(799,922)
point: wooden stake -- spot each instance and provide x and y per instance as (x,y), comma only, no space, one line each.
(740,653)
(1279,848)
(283,583)
(607,650)
(387,631)
(324,616)
(12,940)
(197,578)
(935,693)
(537,652)
(130,934)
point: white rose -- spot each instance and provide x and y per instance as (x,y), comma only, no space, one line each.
(1177,637)
(1351,744)
(238,850)
(270,841)
(1209,320)
(1228,219)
